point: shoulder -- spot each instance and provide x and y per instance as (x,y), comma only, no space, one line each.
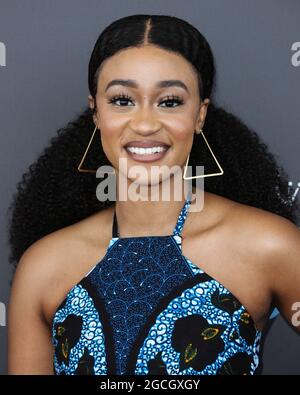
(63,244)
(57,261)
(269,237)
(272,232)
(277,240)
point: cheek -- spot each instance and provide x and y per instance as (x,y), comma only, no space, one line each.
(110,132)
(110,125)
(181,130)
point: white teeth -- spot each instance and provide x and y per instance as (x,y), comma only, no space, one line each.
(145,151)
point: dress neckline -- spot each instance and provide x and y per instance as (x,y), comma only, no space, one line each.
(177,238)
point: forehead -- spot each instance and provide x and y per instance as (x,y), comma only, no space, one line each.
(146,64)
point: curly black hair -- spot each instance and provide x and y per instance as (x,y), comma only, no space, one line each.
(52,194)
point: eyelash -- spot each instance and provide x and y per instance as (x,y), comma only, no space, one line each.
(123,96)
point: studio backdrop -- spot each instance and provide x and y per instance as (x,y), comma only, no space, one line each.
(44,53)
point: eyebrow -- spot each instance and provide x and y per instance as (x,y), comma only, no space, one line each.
(159,84)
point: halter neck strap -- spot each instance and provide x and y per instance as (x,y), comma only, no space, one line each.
(181,218)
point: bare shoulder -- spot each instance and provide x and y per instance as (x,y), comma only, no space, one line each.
(278,240)
(56,262)
(267,225)
(274,239)
(265,239)
(273,232)
(64,245)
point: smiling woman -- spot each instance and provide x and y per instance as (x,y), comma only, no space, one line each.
(151,286)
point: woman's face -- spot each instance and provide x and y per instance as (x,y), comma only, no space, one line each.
(141,108)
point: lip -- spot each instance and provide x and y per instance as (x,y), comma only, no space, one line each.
(146,144)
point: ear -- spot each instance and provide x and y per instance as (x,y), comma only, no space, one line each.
(92,104)
(202,113)
(91,101)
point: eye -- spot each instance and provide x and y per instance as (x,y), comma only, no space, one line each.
(122,97)
(173,99)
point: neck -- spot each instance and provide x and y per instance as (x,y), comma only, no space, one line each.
(149,212)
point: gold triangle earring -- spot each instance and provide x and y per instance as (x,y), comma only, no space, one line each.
(202,175)
(79,168)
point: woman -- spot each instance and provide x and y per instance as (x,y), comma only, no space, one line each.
(151,287)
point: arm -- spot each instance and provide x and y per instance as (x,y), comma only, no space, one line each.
(285,270)
(30,350)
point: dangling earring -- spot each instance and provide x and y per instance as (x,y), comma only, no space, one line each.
(202,175)
(79,168)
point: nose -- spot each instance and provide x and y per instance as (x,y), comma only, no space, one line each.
(145,122)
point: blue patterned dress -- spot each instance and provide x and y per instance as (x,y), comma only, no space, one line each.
(146,309)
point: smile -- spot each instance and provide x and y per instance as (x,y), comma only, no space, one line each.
(147,154)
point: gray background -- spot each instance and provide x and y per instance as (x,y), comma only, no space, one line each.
(44,83)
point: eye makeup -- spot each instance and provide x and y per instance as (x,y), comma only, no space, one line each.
(127,98)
